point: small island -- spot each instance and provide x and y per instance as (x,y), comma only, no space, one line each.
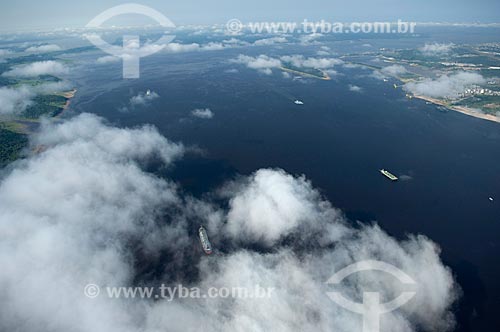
(305,72)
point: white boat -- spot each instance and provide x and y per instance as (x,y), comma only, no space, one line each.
(389,175)
(491,199)
(205,243)
(298,102)
(148,93)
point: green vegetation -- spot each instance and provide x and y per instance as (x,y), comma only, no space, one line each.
(11,145)
(488,104)
(49,105)
(415,55)
(14,129)
(408,76)
(37,81)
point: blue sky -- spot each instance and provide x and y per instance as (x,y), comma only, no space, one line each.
(27,14)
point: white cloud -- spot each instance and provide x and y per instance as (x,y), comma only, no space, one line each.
(384,73)
(262,63)
(377,74)
(178,48)
(15,100)
(394,70)
(173,47)
(143,98)
(318,63)
(265,64)
(52,87)
(310,38)
(100,214)
(43,48)
(270,41)
(355,88)
(272,204)
(235,42)
(71,227)
(193,47)
(445,85)
(436,49)
(204,113)
(38,68)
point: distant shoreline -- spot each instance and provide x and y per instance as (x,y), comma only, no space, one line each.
(460,109)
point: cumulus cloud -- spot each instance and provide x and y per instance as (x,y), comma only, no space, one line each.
(143,98)
(38,68)
(15,100)
(355,88)
(85,211)
(271,204)
(262,63)
(52,87)
(394,70)
(386,72)
(71,222)
(310,38)
(445,85)
(180,48)
(169,48)
(436,49)
(202,113)
(318,63)
(43,48)
(265,64)
(270,41)
(235,42)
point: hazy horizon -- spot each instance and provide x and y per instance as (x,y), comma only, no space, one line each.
(32,15)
